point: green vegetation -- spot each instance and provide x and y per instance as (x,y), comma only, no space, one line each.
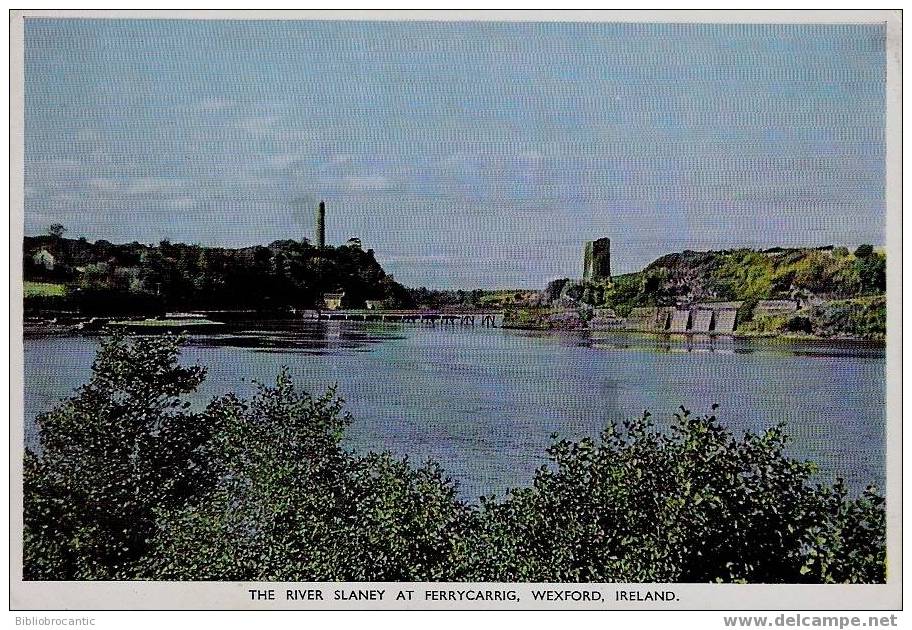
(107,279)
(44,289)
(848,287)
(504,297)
(764,325)
(529,318)
(627,292)
(122,449)
(102,278)
(132,484)
(749,275)
(475,298)
(860,318)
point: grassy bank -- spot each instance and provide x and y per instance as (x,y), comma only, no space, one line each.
(44,289)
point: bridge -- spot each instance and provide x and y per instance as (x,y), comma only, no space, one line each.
(479,317)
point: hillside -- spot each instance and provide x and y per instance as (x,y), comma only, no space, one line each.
(106,278)
(836,292)
(749,275)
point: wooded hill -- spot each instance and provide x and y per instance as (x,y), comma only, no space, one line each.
(806,275)
(107,278)
(839,291)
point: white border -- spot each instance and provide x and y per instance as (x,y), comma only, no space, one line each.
(151,595)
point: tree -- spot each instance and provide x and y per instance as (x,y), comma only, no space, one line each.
(872,273)
(294,506)
(863,251)
(122,448)
(57,230)
(692,504)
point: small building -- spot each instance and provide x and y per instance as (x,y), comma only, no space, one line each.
(372,305)
(44,258)
(333,301)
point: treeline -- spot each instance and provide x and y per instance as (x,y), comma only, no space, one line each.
(130,483)
(104,278)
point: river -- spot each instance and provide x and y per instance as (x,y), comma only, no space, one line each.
(483,402)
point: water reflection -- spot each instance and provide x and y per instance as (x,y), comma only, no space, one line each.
(663,343)
(483,402)
(677,344)
(309,337)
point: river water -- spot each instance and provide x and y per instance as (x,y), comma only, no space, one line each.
(483,402)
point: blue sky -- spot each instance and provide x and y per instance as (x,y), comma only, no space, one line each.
(475,154)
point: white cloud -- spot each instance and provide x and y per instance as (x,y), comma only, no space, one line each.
(181,203)
(369,182)
(284,160)
(145,185)
(257,124)
(212,105)
(103,184)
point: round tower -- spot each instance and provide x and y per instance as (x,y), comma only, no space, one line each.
(321,225)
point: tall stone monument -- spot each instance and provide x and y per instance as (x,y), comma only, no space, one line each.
(321,226)
(597,260)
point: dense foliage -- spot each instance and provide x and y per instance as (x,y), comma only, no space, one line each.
(747,275)
(104,278)
(122,447)
(292,505)
(862,318)
(130,483)
(693,504)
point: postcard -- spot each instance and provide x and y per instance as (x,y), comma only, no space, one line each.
(436,310)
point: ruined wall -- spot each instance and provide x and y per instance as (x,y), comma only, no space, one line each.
(710,318)
(663,318)
(641,318)
(702,320)
(725,321)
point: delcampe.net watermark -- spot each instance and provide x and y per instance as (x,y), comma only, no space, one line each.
(796,620)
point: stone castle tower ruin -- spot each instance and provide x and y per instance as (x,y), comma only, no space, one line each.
(597,260)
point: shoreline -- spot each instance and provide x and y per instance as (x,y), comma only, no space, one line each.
(77,326)
(790,336)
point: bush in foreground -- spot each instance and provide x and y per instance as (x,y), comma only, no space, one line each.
(130,484)
(693,504)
